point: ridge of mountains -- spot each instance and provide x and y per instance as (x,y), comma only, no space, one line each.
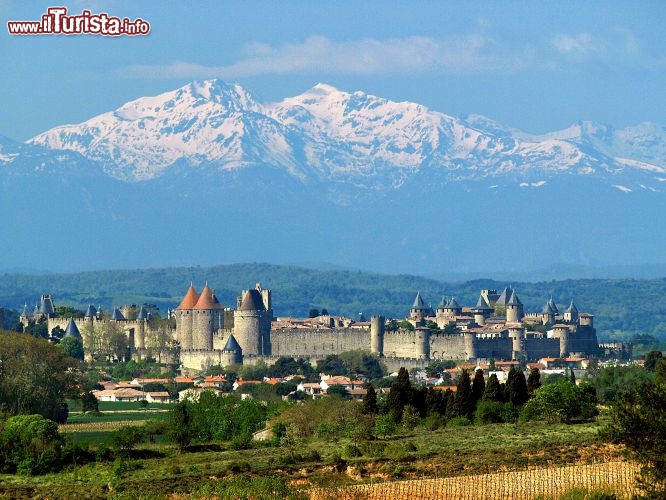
(358,138)
(207,173)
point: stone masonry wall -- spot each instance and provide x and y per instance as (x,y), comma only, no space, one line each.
(307,342)
(444,346)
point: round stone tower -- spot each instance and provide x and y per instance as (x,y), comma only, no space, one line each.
(141,326)
(204,315)
(516,334)
(184,318)
(571,313)
(377,335)
(562,332)
(451,310)
(548,313)
(422,342)
(481,311)
(231,353)
(514,309)
(418,311)
(470,345)
(586,319)
(249,324)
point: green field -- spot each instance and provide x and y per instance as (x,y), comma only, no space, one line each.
(156,469)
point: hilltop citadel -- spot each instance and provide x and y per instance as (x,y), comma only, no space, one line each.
(206,333)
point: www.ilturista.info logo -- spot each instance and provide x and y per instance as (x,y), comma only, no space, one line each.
(57,22)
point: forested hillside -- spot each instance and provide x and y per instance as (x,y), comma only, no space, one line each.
(622,307)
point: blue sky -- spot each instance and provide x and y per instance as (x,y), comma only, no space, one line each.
(536,66)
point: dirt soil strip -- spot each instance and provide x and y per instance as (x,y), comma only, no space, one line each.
(618,477)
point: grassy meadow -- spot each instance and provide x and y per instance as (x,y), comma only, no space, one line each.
(296,469)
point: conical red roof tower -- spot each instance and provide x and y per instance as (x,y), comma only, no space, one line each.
(190,299)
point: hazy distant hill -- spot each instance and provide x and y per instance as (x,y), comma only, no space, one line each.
(626,305)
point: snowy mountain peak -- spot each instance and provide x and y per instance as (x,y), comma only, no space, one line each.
(324,88)
(326,133)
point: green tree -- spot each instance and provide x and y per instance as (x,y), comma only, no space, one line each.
(493,390)
(410,418)
(285,366)
(464,404)
(370,406)
(560,402)
(478,385)
(450,329)
(638,420)
(406,325)
(362,362)
(332,364)
(38,329)
(124,439)
(92,340)
(57,334)
(489,412)
(516,387)
(432,326)
(30,444)
(179,426)
(384,425)
(72,347)
(438,366)
(89,402)
(338,390)
(651,359)
(435,401)
(313,313)
(533,381)
(399,395)
(68,312)
(35,377)
(114,341)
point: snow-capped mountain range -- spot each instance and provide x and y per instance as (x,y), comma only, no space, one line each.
(355,138)
(207,174)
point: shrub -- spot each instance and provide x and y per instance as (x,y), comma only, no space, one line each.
(434,422)
(488,412)
(256,487)
(312,456)
(30,444)
(241,442)
(510,413)
(458,422)
(352,451)
(123,440)
(325,430)
(384,425)
(560,401)
(410,447)
(410,417)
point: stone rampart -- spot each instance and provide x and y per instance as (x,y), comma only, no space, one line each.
(449,346)
(297,342)
(400,344)
(541,347)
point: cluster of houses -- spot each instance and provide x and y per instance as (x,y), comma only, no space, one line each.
(133,391)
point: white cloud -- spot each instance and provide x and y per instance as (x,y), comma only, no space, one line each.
(367,56)
(473,53)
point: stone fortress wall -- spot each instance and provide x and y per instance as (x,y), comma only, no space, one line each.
(210,334)
(501,338)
